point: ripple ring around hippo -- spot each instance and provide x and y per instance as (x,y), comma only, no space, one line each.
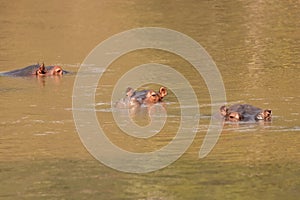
(89,129)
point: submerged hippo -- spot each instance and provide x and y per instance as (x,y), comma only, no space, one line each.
(143,97)
(142,104)
(146,96)
(36,70)
(245,113)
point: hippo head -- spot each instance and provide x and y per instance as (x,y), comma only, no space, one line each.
(231,116)
(48,71)
(162,93)
(154,97)
(267,115)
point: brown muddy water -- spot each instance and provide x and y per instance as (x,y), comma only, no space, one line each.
(255,45)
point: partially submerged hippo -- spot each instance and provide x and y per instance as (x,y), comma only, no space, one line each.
(143,97)
(146,96)
(36,70)
(245,113)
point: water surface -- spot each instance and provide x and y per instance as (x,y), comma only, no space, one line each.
(256,48)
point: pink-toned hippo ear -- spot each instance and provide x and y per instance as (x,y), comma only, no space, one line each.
(268,111)
(223,110)
(42,66)
(267,114)
(129,91)
(163,92)
(41,70)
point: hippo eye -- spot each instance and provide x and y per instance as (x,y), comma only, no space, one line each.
(58,71)
(154,95)
(231,117)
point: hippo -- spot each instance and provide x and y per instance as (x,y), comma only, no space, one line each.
(141,104)
(36,70)
(135,98)
(245,113)
(146,96)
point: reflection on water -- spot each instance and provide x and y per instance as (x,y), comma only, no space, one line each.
(255,46)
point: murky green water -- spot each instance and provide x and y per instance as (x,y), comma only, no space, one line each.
(256,48)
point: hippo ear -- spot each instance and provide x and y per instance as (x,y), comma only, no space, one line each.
(223,110)
(41,70)
(129,91)
(42,67)
(163,92)
(267,113)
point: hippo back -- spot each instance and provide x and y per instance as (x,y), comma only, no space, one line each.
(26,71)
(30,70)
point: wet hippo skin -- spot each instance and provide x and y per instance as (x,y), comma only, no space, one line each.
(245,113)
(36,70)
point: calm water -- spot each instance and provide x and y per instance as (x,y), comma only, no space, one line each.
(255,45)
